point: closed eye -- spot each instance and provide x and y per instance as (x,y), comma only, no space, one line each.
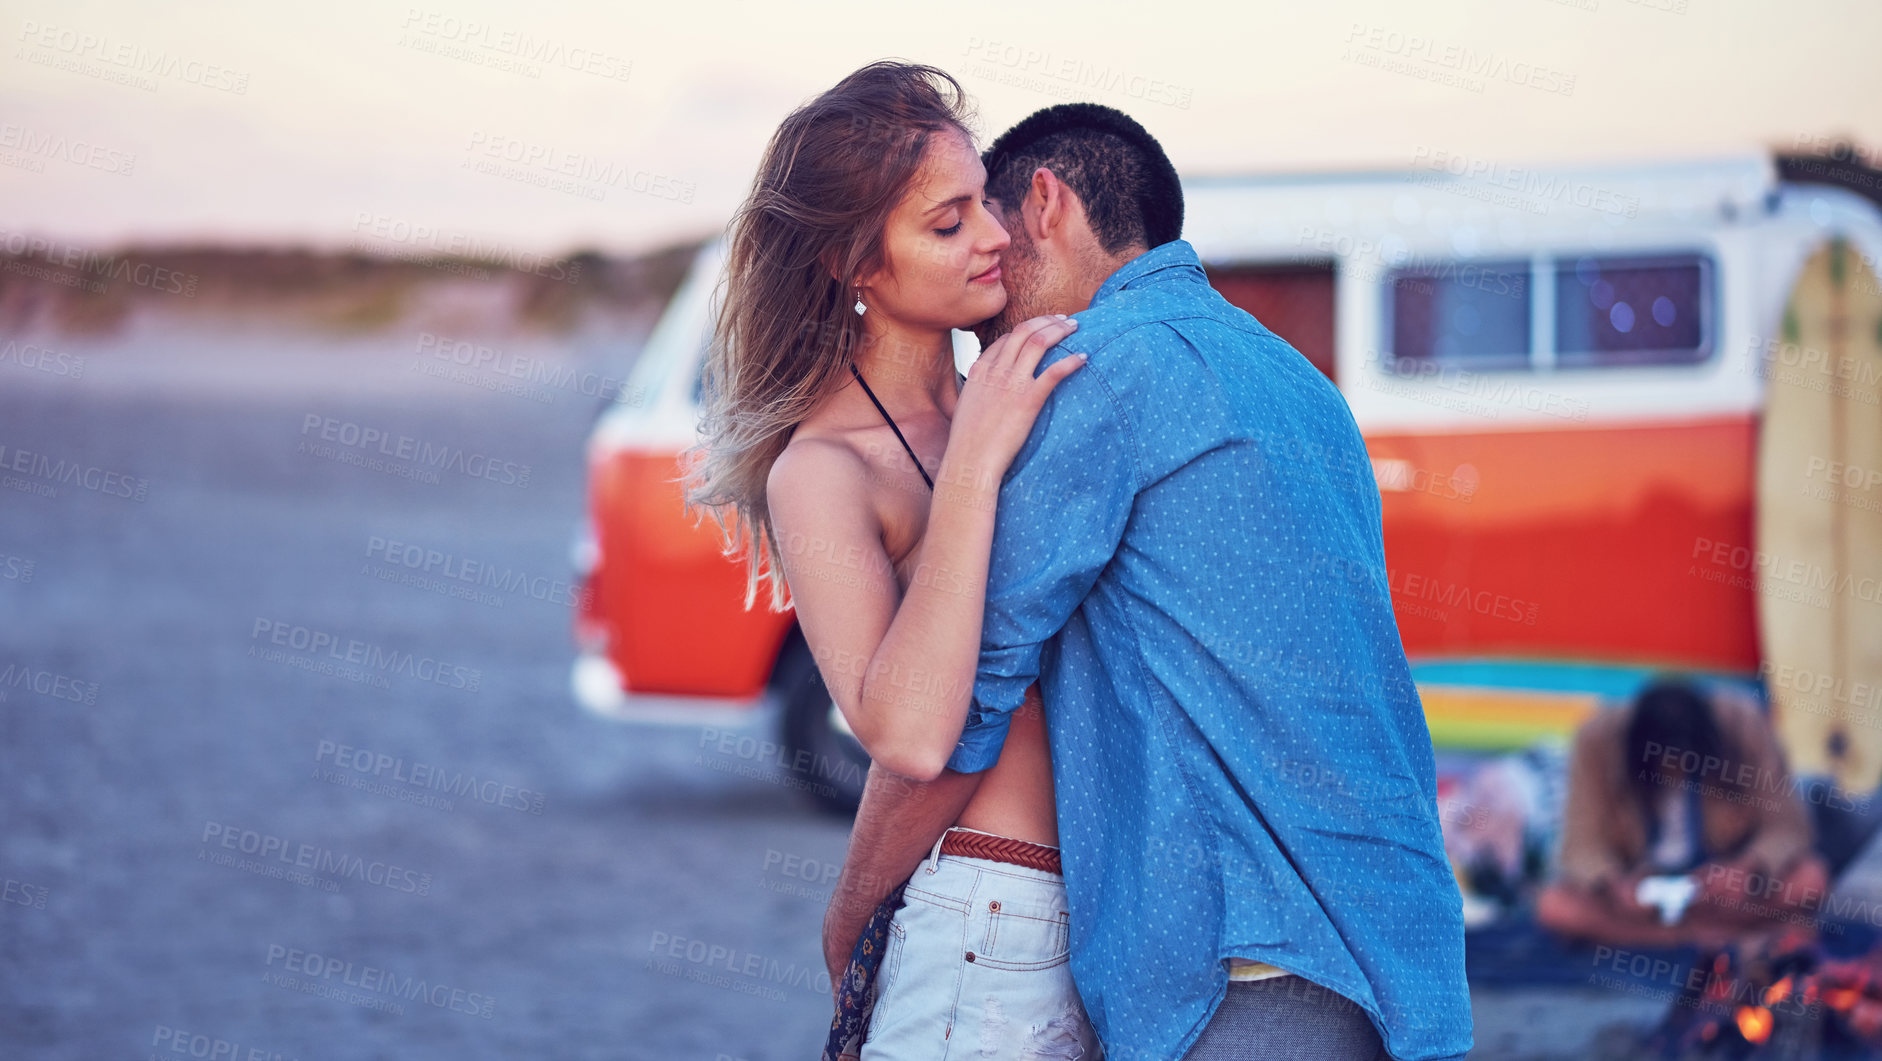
(956,227)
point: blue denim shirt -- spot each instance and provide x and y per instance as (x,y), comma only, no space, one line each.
(1187,554)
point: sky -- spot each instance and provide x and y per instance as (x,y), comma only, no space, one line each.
(622,127)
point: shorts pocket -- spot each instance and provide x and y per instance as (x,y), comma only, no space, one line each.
(886,974)
(1024,938)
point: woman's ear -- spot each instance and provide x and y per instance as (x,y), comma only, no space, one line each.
(867,281)
(828,260)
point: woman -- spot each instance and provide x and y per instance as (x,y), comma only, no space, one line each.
(839,440)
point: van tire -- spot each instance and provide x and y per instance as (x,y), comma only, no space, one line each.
(825,764)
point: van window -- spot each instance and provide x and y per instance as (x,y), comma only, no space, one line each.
(1468,314)
(1639,310)
(699,380)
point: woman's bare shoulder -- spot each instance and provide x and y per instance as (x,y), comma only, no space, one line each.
(816,467)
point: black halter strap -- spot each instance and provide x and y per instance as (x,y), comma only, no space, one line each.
(898,431)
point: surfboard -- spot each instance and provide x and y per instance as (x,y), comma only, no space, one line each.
(1818,560)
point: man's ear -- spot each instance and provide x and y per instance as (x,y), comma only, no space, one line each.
(1047,204)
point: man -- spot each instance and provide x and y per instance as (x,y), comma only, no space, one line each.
(1188,557)
(1682,784)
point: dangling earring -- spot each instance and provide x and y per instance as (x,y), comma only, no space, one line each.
(860,308)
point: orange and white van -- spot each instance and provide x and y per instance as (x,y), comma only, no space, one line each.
(1622,419)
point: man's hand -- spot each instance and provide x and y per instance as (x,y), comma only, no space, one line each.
(1623,897)
(896,826)
(843,923)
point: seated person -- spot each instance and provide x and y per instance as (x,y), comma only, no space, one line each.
(1681,784)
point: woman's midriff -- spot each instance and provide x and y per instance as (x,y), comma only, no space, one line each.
(1015,797)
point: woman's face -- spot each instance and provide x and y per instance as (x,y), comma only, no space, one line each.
(941,245)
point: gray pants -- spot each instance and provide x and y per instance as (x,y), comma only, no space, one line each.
(1285,1018)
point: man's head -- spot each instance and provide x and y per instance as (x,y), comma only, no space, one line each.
(1081,189)
(1671,733)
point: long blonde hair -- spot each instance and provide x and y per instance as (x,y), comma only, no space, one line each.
(786,331)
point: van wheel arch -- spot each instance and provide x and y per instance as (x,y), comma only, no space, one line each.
(823,762)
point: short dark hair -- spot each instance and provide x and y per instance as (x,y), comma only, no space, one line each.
(1118,171)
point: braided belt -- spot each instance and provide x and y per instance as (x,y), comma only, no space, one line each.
(1001,849)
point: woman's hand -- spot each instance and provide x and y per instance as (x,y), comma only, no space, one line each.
(1001,397)
(901,661)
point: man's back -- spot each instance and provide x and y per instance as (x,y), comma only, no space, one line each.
(1241,761)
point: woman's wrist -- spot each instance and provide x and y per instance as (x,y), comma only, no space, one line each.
(968,479)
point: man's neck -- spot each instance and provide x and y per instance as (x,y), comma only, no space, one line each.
(1101,268)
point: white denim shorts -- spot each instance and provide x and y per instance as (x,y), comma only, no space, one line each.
(982,948)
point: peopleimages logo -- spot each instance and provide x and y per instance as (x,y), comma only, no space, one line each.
(1528,185)
(177,1042)
(95,266)
(396,237)
(361,439)
(508,370)
(1743,567)
(541,164)
(47,683)
(85,46)
(40,474)
(456,571)
(427,776)
(518,44)
(362,654)
(322,971)
(313,858)
(43,359)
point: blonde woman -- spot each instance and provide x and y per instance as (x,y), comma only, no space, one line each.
(846,457)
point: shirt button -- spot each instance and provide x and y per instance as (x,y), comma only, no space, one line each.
(970,956)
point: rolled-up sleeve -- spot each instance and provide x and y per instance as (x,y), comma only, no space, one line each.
(1062,510)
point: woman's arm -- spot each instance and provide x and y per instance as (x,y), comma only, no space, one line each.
(894,665)
(901,667)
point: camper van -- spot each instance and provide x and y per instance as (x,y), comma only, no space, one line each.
(1623,420)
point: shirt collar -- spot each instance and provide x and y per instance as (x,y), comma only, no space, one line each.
(1165,258)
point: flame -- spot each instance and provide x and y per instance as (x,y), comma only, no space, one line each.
(1754,1023)
(1777,992)
(1793,939)
(1866,1020)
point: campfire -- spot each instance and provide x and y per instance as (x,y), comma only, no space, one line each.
(1804,997)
